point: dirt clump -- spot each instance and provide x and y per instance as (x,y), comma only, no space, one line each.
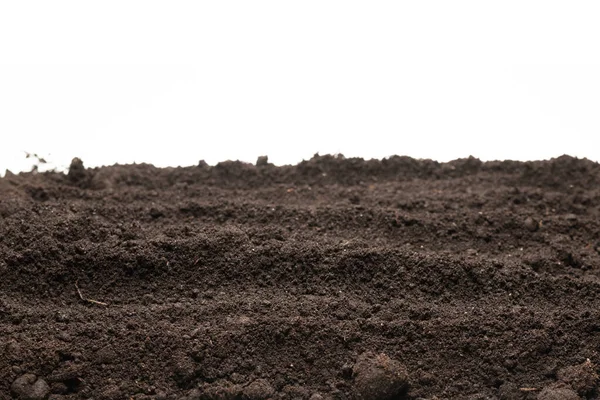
(30,387)
(558,391)
(77,173)
(260,389)
(583,378)
(222,390)
(378,377)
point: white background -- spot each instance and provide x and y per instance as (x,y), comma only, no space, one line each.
(173,82)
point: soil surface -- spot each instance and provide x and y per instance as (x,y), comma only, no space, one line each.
(331,279)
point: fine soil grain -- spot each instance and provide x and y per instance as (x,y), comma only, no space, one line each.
(332,279)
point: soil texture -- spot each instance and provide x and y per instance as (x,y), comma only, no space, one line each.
(332,279)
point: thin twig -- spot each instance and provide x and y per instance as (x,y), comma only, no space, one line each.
(86,299)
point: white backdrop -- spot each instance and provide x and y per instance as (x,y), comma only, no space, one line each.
(171,83)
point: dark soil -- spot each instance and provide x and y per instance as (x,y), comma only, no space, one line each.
(332,279)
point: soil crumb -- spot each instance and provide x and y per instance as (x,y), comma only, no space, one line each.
(337,278)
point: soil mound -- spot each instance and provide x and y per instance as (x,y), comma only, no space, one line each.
(335,278)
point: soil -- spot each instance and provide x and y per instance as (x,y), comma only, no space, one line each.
(332,279)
